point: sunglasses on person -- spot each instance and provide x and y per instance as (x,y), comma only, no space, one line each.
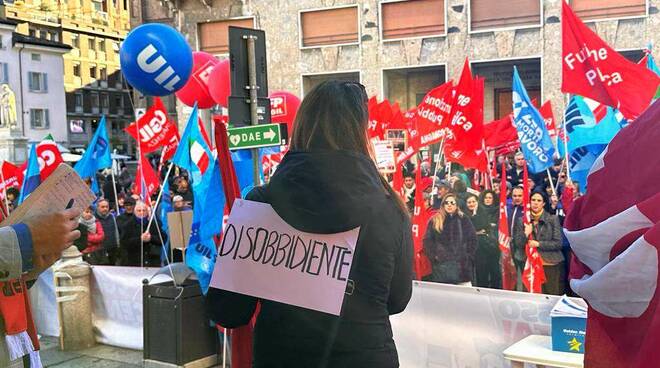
(451,203)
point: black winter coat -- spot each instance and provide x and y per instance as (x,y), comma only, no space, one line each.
(131,231)
(455,246)
(329,192)
(547,233)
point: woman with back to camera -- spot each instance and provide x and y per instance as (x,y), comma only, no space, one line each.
(450,242)
(328,183)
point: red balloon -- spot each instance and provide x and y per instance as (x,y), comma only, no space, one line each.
(196,88)
(283,108)
(220,83)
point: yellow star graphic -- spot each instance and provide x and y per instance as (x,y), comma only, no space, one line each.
(574,344)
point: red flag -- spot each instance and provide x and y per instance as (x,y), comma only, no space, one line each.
(506,259)
(12,176)
(375,128)
(592,69)
(465,142)
(49,157)
(147,187)
(436,105)
(420,219)
(624,180)
(533,275)
(397,180)
(156,130)
(501,133)
(549,118)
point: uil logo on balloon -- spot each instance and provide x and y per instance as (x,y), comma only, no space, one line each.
(156,59)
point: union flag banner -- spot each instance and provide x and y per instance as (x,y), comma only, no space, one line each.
(591,68)
(155,129)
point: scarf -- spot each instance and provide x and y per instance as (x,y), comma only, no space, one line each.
(536,215)
(90,224)
(20,333)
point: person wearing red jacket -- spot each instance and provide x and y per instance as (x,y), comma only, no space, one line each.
(94,252)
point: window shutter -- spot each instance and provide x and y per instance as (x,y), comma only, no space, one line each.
(329,26)
(32,118)
(45,78)
(46,119)
(488,14)
(31,82)
(595,9)
(5,72)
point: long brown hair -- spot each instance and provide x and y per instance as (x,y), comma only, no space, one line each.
(440,216)
(334,116)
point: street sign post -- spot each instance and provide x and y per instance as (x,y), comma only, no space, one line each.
(255,136)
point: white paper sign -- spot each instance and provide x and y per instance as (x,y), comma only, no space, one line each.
(263,256)
(384,152)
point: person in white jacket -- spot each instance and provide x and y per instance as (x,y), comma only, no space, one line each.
(29,248)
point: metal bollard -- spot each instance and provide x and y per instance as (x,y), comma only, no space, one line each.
(74,302)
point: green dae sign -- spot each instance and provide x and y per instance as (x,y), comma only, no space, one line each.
(254,136)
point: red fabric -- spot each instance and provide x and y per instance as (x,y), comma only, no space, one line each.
(94,240)
(549,118)
(567,199)
(436,105)
(465,142)
(241,338)
(509,275)
(49,158)
(375,129)
(156,130)
(420,218)
(151,182)
(397,180)
(500,133)
(15,310)
(533,275)
(12,176)
(592,69)
(629,175)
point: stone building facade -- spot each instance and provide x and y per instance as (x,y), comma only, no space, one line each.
(404,68)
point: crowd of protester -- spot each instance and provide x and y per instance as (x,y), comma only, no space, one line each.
(461,238)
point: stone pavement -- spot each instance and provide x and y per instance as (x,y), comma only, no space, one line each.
(99,356)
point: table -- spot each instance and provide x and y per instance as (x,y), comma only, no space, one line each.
(537,349)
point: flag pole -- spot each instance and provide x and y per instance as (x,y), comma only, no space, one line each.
(114,188)
(552,184)
(160,194)
(437,164)
(565,139)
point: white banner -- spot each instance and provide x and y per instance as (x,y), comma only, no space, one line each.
(447,326)
(44,306)
(117,304)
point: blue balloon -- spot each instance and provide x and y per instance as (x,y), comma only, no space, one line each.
(156,59)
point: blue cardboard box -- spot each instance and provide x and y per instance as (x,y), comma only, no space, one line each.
(568,334)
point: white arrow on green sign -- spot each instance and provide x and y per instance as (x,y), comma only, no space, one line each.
(254,136)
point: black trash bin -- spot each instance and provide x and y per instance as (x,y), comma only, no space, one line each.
(176,329)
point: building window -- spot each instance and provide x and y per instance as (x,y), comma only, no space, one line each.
(119,101)
(403,19)
(104,100)
(408,86)
(38,82)
(78,100)
(94,99)
(76,70)
(92,71)
(39,119)
(4,73)
(488,14)
(604,9)
(334,26)
(102,45)
(497,84)
(36,57)
(97,5)
(125,4)
(77,126)
(310,81)
(33,33)
(75,41)
(54,36)
(91,44)
(103,74)
(43,34)
(214,36)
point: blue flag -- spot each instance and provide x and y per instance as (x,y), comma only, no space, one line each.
(586,138)
(164,207)
(97,156)
(536,144)
(32,178)
(206,223)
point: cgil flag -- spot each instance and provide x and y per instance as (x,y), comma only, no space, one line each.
(154,129)
(146,180)
(591,68)
(613,231)
(32,177)
(535,141)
